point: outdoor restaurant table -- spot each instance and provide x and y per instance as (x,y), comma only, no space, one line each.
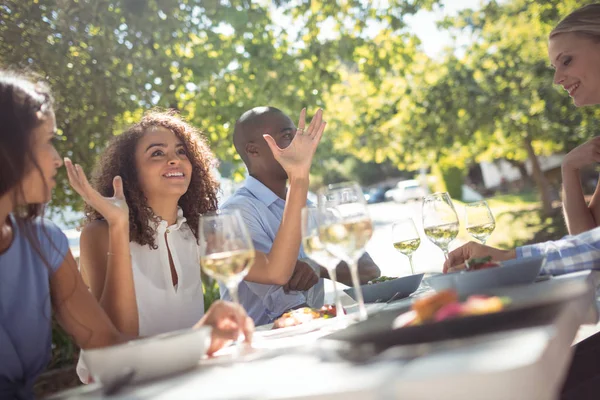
(520,364)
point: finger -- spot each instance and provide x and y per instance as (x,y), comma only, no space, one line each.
(118,187)
(248,330)
(71,173)
(272,144)
(315,122)
(457,268)
(82,176)
(295,281)
(302,120)
(455,257)
(307,281)
(319,134)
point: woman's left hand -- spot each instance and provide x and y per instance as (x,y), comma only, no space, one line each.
(228,320)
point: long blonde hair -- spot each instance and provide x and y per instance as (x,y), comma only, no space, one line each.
(584,21)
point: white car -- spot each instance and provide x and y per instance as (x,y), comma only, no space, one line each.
(407,190)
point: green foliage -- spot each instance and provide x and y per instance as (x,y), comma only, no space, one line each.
(109,60)
(211,291)
(453,178)
(64,351)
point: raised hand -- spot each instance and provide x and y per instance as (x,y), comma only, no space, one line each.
(297,157)
(113,209)
(583,155)
(228,321)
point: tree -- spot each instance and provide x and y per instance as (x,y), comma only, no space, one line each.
(109,60)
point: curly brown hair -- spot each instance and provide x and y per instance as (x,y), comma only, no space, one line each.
(117,159)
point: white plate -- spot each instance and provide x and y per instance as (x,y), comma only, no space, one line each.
(150,357)
(513,272)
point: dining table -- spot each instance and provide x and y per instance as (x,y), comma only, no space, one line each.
(525,363)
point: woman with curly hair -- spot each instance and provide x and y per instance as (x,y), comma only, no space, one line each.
(139,251)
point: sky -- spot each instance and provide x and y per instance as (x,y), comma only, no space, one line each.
(423,25)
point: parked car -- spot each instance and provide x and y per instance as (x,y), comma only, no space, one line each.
(377,195)
(407,190)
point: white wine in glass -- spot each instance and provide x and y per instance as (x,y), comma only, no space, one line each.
(406,240)
(347,229)
(440,221)
(479,220)
(225,248)
(316,250)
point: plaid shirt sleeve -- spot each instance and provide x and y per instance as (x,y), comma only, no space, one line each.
(569,254)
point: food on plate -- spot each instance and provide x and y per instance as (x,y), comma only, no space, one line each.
(426,307)
(445,305)
(304,314)
(381,279)
(481,263)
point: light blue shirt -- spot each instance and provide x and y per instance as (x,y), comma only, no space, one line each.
(569,254)
(262,211)
(36,252)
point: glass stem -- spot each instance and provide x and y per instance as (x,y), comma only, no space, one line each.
(412,269)
(362,310)
(233,292)
(339,309)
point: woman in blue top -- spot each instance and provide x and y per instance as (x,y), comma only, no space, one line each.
(37,271)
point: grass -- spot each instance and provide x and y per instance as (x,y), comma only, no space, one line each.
(519,221)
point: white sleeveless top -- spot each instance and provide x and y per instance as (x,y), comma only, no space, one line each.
(161,306)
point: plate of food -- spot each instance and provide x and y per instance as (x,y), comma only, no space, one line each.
(150,357)
(384,288)
(447,315)
(297,321)
(482,273)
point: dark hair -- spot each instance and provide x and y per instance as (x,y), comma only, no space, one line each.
(23,104)
(117,159)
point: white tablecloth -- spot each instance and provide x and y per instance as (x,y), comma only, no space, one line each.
(522,364)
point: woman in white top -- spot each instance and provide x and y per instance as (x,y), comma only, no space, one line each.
(138,247)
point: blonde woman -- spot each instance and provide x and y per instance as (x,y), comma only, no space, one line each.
(574,51)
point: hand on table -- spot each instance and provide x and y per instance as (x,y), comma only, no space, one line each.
(456,258)
(228,321)
(303,278)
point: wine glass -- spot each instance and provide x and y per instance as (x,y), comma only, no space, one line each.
(479,220)
(440,221)
(347,229)
(406,239)
(315,249)
(225,248)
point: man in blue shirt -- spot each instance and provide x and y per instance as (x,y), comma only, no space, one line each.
(261,202)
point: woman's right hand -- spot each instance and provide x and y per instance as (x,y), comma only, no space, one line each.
(583,155)
(113,209)
(228,321)
(297,157)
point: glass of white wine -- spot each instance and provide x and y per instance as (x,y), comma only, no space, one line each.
(479,220)
(406,239)
(225,248)
(440,221)
(312,217)
(347,229)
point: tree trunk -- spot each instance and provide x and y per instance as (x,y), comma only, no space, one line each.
(523,170)
(539,178)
